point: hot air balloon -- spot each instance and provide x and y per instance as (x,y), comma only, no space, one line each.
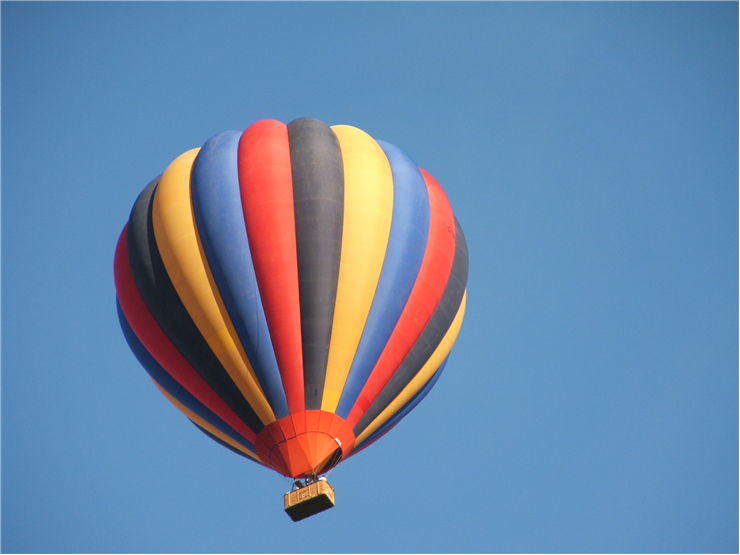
(295,291)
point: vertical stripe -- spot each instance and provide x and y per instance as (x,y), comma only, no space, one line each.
(151,278)
(406,246)
(318,196)
(179,245)
(161,348)
(218,213)
(267,201)
(431,337)
(398,416)
(160,298)
(424,297)
(368,205)
(167,383)
(400,396)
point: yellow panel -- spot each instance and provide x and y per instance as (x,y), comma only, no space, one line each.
(203,424)
(422,376)
(368,207)
(185,261)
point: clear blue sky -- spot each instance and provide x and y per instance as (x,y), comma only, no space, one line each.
(591,154)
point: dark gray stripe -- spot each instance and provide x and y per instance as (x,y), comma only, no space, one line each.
(433,333)
(318,197)
(161,298)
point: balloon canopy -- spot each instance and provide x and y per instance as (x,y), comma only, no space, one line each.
(294,289)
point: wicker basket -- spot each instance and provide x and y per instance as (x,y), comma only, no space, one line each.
(309,500)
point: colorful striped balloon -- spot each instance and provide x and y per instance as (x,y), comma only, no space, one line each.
(295,289)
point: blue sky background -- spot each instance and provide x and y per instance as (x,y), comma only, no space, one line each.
(591,155)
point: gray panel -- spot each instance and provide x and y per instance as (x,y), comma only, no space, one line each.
(318,196)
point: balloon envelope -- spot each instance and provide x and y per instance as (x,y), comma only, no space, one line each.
(294,289)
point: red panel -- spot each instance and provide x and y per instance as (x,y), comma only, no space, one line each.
(306,445)
(325,419)
(266,185)
(286,425)
(262,447)
(335,426)
(282,450)
(430,283)
(312,420)
(161,348)
(298,455)
(279,462)
(299,422)
(325,447)
(299,460)
(341,430)
(276,433)
(313,443)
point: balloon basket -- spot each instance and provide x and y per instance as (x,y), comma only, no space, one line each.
(309,499)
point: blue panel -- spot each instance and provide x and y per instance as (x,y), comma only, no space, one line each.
(218,213)
(408,407)
(403,257)
(171,386)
